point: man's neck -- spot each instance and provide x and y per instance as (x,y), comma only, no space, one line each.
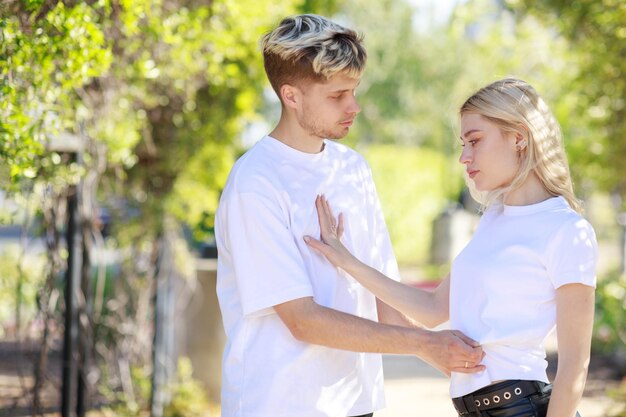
(293,136)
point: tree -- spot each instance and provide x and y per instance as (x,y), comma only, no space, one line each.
(159,92)
(597,32)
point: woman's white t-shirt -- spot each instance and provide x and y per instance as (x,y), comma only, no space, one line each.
(503,286)
(267,207)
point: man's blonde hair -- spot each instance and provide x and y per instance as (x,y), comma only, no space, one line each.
(311,48)
(516,108)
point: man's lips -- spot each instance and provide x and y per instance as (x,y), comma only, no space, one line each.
(347,123)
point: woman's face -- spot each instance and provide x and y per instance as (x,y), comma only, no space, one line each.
(490,157)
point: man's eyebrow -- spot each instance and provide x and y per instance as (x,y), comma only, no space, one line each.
(343,90)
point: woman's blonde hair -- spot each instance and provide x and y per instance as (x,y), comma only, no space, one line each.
(309,47)
(516,108)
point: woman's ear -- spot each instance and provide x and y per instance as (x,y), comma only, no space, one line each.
(520,142)
(520,138)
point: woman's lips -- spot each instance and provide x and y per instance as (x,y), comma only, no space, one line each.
(472,173)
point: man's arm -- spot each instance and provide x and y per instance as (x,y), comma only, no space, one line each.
(311,323)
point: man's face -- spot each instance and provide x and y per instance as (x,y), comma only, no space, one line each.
(328,109)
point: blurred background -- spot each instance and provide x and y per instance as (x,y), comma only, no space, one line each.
(119,123)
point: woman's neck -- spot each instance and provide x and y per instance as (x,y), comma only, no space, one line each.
(530,192)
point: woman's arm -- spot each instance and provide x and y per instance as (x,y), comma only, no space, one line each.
(574,324)
(427,308)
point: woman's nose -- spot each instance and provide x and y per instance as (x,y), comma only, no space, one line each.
(466,156)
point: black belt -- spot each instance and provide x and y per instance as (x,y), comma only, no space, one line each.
(496,395)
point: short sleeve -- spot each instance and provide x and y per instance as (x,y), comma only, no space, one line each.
(573,255)
(268,266)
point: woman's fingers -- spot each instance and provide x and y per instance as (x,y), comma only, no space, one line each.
(329,211)
(340,227)
(322,217)
(329,225)
(315,244)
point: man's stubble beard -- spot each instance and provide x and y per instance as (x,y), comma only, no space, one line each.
(313,128)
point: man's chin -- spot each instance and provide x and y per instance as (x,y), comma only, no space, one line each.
(337,135)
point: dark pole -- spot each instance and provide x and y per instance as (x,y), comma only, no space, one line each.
(84,325)
(156,394)
(72,278)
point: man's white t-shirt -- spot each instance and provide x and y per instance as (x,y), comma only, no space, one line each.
(503,286)
(267,206)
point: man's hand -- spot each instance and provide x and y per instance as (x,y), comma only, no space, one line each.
(452,351)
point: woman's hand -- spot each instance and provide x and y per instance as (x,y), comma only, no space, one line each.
(331,230)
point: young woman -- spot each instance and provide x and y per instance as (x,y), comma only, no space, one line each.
(530,266)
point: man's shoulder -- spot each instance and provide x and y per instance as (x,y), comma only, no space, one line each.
(252,170)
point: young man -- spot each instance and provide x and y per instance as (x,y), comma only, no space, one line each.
(294,323)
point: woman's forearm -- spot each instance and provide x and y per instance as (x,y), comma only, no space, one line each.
(567,391)
(423,306)
(575,308)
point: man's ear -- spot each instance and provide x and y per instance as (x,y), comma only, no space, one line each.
(290,95)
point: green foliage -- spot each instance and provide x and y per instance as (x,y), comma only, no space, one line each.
(610,330)
(160,90)
(618,395)
(405,90)
(596,30)
(193,84)
(19,282)
(323,7)
(132,403)
(413,185)
(42,61)
(188,395)
(610,321)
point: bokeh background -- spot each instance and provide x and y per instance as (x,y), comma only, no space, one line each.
(119,123)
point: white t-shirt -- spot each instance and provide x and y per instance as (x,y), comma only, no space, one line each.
(503,286)
(267,206)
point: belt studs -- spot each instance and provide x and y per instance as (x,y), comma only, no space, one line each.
(507,395)
(496,399)
(518,391)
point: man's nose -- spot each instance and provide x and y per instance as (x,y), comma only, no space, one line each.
(354,107)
